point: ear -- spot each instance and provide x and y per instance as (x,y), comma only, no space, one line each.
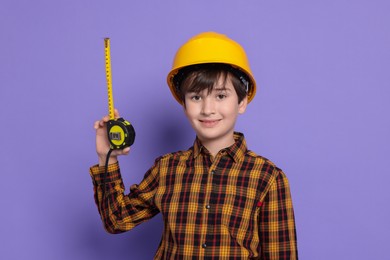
(242,105)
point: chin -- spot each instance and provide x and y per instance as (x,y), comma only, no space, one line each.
(211,135)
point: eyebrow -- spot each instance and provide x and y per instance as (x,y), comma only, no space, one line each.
(218,89)
(222,89)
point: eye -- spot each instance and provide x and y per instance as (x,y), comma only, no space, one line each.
(221,96)
(196,98)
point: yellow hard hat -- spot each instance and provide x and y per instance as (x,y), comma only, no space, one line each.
(211,47)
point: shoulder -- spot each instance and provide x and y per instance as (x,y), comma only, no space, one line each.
(270,176)
(263,164)
(178,155)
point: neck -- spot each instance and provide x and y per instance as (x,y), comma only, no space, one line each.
(214,146)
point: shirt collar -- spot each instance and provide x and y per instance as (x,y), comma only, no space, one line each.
(236,151)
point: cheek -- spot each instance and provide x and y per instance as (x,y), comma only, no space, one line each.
(189,112)
(192,109)
(229,111)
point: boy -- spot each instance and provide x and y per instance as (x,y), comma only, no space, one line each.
(218,199)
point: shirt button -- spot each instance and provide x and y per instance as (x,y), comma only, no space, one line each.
(212,172)
(204,245)
(207,206)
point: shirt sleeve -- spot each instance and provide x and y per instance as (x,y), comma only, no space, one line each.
(120,212)
(277,231)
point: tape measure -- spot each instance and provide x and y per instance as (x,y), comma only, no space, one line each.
(120,132)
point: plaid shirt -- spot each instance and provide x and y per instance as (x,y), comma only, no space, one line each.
(236,205)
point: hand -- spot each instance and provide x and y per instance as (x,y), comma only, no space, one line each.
(102,143)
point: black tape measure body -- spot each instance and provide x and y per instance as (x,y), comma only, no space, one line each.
(121,133)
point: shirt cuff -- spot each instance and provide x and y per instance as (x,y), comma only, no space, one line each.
(97,174)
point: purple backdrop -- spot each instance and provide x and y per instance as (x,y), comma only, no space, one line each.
(321,114)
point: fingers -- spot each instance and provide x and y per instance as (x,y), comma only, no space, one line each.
(96,125)
(124,151)
(101,123)
(116,113)
(105,119)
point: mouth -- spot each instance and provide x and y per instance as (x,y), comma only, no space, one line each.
(209,123)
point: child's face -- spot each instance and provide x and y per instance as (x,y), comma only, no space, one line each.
(213,115)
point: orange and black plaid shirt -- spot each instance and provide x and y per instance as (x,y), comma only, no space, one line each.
(236,205)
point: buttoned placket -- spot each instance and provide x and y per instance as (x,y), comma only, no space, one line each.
(208,206)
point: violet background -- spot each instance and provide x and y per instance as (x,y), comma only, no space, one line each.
(321,114)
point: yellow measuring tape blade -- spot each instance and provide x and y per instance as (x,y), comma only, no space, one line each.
(109,78)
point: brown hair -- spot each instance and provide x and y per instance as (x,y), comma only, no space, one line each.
(197,78)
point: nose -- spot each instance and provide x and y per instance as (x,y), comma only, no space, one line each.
(208,106)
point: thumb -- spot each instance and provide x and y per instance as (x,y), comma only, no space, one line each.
(116,113)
